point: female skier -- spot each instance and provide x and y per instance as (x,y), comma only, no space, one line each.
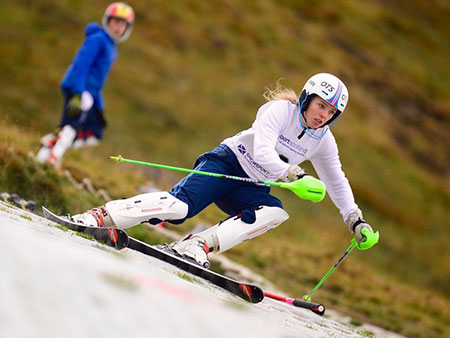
(82,121)
(287,131)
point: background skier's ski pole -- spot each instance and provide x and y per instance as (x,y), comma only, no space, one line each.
(308,187)
(314,307)
(371,240)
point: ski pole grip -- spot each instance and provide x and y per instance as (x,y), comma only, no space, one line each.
(307,188)
(371,239)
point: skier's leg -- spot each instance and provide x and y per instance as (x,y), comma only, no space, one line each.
(228,234)
(47,143)
(151,207)
(234,230)
(189,196)
(50,139)
(257,212)
(65,140)
(199,191)
(65,136)
(85,139)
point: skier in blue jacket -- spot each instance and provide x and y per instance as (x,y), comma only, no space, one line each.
(83,121)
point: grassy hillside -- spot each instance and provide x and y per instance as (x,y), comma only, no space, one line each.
(193,72)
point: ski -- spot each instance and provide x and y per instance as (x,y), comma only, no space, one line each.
(248,292)
(116,238)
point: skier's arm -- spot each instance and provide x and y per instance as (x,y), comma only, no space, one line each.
(267,131)
(82,63)
(329,169)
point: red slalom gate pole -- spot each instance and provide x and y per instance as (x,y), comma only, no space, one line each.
(314,307)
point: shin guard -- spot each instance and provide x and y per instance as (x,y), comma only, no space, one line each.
(160,206)
(234,231)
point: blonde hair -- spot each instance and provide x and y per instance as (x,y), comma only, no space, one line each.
(280,92)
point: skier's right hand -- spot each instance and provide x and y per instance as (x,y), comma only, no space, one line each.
(356,224)
(74,105)
(358,231)
(294,173)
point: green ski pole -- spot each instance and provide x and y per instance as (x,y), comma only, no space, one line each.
(308,187)
(371,240)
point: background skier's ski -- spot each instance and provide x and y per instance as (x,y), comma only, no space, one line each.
(116,238)
(246,291)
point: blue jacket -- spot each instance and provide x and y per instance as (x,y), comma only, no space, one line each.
(91,64)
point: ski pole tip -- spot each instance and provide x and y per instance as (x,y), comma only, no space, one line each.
(117,158)
(307,298)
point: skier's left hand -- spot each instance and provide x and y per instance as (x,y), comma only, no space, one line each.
(74,105)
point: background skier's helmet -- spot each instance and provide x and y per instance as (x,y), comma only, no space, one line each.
(119,10)
(329,88)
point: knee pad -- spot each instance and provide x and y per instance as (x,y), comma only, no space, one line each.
(234,230)
(142,208)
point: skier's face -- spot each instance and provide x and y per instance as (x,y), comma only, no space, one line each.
(318,113)
(117,27)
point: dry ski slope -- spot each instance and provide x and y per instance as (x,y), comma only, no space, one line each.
(57,284)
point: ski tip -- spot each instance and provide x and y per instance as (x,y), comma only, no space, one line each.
(251,293)
(118,237)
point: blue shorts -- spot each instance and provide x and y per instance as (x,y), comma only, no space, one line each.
(232,197)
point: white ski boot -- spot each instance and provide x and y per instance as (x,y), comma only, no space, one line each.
(47,143)
(55,145)
(97,217)
(66,137)
(193,247)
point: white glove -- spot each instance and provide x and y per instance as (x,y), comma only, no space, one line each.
(86,101)
(356,223)
(294,173)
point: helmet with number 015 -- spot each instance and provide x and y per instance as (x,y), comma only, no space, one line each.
(122,11)
(328,87)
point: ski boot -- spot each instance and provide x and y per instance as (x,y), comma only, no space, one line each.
(96,217)
(53,150)
(47,143)
(193,247)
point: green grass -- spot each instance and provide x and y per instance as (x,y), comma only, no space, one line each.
(85,236)
(186,277)
(192,74)
(28,218)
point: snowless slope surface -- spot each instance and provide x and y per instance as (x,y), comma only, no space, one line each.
(56,284)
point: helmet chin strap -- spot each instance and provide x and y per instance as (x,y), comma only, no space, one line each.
(306,129)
